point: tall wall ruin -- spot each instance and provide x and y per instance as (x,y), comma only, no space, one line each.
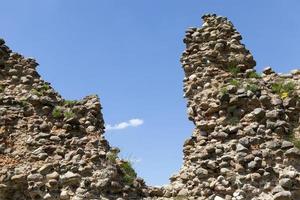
(241,147)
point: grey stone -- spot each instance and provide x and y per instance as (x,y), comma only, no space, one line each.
(259,113)
(201,173)
(277,189)
(293,152)
(218,198)
(244,141)
(286,183)
(241,148)
(220,135)
(35,177)
(70,178)
(231,88)
(284,195)
(268,70)
(183,193)
(45,169)
(287,145)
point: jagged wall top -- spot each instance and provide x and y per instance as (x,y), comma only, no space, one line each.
(240,147)
(216,44)
(51,148)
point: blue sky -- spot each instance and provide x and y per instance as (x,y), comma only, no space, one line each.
(128,53)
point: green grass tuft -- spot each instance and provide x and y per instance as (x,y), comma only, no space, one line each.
(234,82)
(252,87)
(57,112)
(254,75)
(112,157)
(40,91)
(129,173)
(69,114)
(291,137)
(24,103)
(284,89)
(224,91)
(36,92)
(45,87)
(296,142)
(234,70)
(70,102)
(2,88)
(232,121)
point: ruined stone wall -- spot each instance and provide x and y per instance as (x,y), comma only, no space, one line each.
(51,148)
(243,146)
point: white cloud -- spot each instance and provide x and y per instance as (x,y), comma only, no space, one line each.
(123,125)
(136,122)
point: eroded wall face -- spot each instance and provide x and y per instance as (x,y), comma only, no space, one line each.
(51,148)
(241,147)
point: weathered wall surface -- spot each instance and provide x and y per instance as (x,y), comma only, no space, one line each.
(244,146)
(51,148)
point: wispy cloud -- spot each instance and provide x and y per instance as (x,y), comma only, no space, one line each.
(131,123)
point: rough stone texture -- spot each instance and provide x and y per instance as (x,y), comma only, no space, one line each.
(51,148)
(239,148)
(244,146)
